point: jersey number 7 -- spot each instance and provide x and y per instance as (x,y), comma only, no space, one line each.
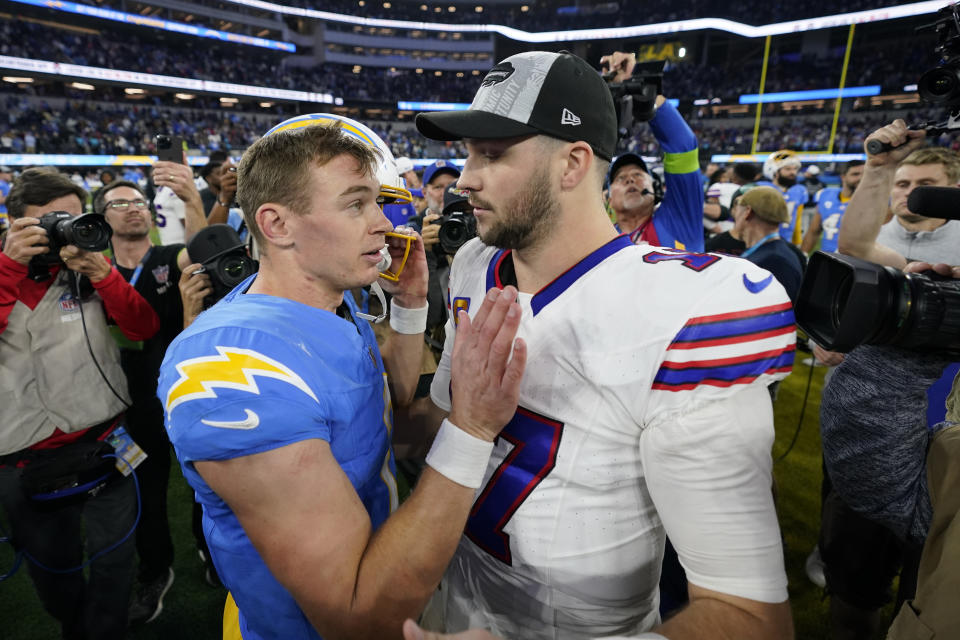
(536,440)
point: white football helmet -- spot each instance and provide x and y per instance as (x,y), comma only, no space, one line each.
(392,187)
(778,160)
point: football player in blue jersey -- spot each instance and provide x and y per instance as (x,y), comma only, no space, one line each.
(780,170)
(831,205)
(279,403)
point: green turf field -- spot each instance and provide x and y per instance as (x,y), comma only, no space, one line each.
(192,609)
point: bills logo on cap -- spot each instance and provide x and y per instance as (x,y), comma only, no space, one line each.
(498,74)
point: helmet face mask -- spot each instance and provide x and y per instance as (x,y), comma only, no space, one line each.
(392,186)
(778,160)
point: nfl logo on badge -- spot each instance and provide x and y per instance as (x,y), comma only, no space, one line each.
(68,302)
(161,274)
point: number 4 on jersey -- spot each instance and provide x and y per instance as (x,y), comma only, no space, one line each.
(535,440)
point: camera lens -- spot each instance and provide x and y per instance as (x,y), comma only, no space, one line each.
(90,232)
(234,270)
(940,85)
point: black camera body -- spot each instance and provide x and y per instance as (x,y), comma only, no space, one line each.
(941,85)
(457,222)
(636,98)
(455,229)
(90,232)
(223,257)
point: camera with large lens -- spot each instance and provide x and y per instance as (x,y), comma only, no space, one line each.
(223,256)
(941,85)
(457,224)
(89,231)
(844,301)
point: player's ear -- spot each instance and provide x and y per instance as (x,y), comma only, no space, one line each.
(272,219)
(578,160)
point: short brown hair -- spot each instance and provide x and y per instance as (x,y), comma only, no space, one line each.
(277,169)
(937,155)
(37,187)
(99,198)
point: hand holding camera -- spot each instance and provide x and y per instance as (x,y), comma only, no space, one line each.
(88,263)
(431,229)
(194,287)
(24,240)
(228,183)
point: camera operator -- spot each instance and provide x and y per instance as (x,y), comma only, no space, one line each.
(154,272)
(892,468)
(677,222)
(64,389)
(860,557)
(891,177)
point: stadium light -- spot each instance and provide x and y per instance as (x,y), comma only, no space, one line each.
(184,96)
(17,79)
(83,86)
(816,94)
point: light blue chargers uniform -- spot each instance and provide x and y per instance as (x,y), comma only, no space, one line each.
(259,372)
(796,197)
(831,207)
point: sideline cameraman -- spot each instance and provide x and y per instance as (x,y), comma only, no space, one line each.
(895,470)
(677,222)
(891,177)
(57,396)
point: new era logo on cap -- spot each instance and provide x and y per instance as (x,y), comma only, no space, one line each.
(569,117)
(525,94)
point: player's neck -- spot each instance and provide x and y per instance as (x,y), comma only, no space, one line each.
(569,242)
(273,279)
(128,252)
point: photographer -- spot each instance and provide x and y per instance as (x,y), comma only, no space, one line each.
(891,467)
(64,391)
(677,222)
(154,272)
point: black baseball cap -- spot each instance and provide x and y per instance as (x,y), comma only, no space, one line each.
(555,94)
(622,161)
(212,242)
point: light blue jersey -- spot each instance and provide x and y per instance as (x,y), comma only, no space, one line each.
(831,207)
(256,373)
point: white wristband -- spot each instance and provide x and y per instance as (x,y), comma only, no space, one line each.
(409,321)
(459,456)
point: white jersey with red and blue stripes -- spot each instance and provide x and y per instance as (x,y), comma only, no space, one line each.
(643,410)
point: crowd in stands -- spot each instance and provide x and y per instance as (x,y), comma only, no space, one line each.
(544,15)
(891,65)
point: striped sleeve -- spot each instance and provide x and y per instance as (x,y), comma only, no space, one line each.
(728,349)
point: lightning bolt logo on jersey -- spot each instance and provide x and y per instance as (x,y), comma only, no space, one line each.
(255,373)
(831,205)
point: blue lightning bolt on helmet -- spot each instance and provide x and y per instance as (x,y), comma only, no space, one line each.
(392,186)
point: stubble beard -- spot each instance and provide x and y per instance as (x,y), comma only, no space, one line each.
(527,219)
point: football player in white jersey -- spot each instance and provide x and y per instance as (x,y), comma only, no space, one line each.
(643,407)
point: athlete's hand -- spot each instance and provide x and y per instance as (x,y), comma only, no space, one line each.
(194,287)
(897,135)
(411,290)
(412,631)
(25,240)
(89,263)
(484,379)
